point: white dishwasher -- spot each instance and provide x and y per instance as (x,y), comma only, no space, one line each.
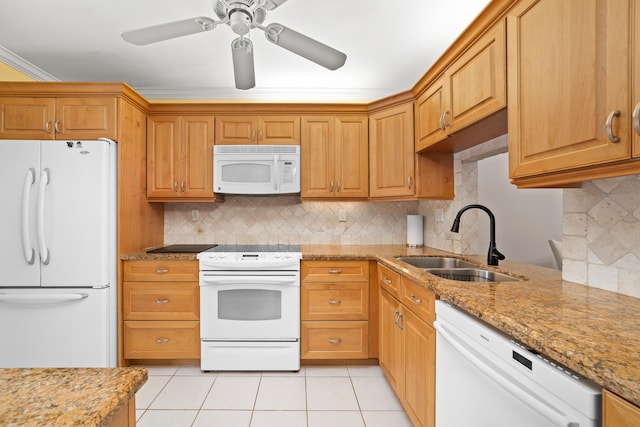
(485,379)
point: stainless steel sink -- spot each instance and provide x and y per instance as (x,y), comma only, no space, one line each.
(436,262)
(471,275)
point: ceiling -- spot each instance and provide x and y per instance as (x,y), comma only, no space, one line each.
(389,46)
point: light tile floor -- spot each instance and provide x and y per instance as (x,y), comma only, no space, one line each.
(316,396)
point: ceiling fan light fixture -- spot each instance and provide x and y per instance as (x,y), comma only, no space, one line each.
(243,68)
(240,21)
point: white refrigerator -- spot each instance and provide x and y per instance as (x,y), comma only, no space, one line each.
(58,269)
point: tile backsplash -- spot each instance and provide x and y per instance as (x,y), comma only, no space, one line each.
(286,220)
(601,234)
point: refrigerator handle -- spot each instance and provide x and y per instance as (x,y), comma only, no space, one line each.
(29,251)
(40,299)
(44,252)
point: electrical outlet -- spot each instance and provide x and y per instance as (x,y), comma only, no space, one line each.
(342,215)
(195,215)
(439,215)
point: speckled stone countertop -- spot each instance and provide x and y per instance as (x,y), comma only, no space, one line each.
(593,332)
(66,396)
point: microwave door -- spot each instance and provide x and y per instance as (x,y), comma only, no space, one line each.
(242,176)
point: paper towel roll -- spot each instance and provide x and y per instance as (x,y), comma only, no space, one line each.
(415,234)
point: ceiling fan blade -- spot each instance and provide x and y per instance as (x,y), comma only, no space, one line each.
(169,30)
(272,4)
(243,70)
(305,46)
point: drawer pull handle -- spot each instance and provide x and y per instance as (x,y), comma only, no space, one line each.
(609,126)
(335,340)
(335,301)
(387,280)
(416,300)
(162,301)
(162,271)
(335,271)
(162,340)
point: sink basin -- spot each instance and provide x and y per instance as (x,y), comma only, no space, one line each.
(471,275)
(436,262)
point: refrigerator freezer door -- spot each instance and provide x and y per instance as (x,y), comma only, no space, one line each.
(19,174)
(56,328)
(76,215)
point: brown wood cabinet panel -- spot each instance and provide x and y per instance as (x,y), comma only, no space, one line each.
(334,340)
(267,130)
(279,130)
(390,340)
(419,300)
(86,118)
(392,152)
(617,412)
(163,156)
(161,301)
(352,157)
(197,157)
(329,301)
(334,271)
(430,107)
(389,280)
(27,118)
(635,72)
(161,271)
(236,130)
(560,98)
(161,339)
(317,153)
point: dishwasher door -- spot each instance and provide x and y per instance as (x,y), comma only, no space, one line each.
(484,379)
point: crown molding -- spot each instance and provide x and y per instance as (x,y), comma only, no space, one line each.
(25,67)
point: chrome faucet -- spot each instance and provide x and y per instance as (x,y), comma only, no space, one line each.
(494,254)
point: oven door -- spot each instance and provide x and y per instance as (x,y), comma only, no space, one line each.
(250,306)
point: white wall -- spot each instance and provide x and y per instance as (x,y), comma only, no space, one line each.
(525,218)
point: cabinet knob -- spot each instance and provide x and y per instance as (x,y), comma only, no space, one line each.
(175,185)
(162,340)
(162,301)
(162,271)
(408,182)
(335,340)
(416,300)
(444,119)
(387,280)
(56,126)
(609,126)
(334,302)
(47,126)
(182,186)
(335,271)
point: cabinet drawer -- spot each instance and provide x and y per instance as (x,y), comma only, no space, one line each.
(334,271)
(161,271)
(161,340)
(161,301)
(389,280)
(328,301)
(419,300)
(334,340)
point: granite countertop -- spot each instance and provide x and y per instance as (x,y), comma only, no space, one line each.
(66,396)
(594,332)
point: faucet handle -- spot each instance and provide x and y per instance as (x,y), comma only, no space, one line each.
(496,253)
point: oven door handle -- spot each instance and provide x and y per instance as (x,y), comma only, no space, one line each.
(248,280)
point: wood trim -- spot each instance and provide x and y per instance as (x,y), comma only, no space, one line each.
(391,101)
(573,178)
(247,108)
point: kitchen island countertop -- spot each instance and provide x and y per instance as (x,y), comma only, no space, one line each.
(66,396)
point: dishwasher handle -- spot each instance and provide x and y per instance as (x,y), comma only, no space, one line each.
(503,381)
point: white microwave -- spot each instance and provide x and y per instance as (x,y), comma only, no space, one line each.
(256,169)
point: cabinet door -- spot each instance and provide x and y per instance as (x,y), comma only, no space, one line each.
(197,157)
(617,412)
(279,130)
(429,109)
(391,147)
(419,369)
(317,152)
(163,156)
(334,301)
(390,354)
(559,98)
(27,118)
(86,118)
(352,157)
(476,81)
(236,130)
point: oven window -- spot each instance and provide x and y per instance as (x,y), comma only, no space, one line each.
(247,172)
(249,304)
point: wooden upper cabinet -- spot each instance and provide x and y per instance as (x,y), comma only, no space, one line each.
(635,72)
(568,73)
(266,130)
(392,152)
(334,157)
(180,157)
(58,118)
(471,88)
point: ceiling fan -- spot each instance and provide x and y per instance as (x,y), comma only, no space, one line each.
(242,16)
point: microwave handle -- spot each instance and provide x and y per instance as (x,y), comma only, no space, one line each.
(276,159)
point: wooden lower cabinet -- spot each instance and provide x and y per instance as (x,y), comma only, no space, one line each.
(617,412)
(334,310)
(407,349)
(161,310)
